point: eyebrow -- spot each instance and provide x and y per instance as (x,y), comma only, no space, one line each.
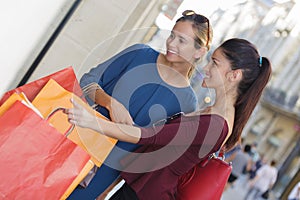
(180,35)
(183,38)
(215,59)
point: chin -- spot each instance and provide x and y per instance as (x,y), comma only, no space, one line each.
(173,58)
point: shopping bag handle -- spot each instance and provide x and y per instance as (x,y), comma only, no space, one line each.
(72,126)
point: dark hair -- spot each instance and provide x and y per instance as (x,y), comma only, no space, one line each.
(273,163)
(256,72)
(247,148)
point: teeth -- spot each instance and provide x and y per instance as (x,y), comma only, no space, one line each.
(174,52)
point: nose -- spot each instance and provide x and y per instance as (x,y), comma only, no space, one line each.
(172,42)
(205,67)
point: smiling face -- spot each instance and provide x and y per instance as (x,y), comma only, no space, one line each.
(218,72)
(181,44)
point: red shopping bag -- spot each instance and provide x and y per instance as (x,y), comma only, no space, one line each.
(66,78)
(37,162)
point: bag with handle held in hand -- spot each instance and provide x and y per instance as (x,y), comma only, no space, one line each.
(51,96)
(37,162)
(55,90)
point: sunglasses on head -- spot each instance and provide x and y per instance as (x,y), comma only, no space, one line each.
(198,19)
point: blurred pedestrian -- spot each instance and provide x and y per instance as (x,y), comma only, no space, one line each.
(263,181)
(254,152)
(230,154)
(261,161)
(241,161)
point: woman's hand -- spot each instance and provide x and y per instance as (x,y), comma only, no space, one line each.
(118,113)
(81,116)
(86,117)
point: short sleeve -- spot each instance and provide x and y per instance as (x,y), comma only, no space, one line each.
(114,67)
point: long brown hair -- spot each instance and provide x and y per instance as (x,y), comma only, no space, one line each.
(256,73)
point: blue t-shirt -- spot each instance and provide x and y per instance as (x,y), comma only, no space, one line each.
(132,78)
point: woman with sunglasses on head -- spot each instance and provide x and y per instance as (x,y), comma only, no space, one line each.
(238,74)
(141,85)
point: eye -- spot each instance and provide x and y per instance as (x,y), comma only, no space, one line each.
(214,63)
(171,36)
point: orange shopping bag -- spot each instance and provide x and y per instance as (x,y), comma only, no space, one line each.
(53,96)
(37,162)
(11,100)
(97,145)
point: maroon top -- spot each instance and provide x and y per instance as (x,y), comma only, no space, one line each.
(169,151)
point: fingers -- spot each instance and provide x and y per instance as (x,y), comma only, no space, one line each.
(75,103)
(70,115)
(69,111)
(78,114)
(75,114)
(72,121)
(91,88)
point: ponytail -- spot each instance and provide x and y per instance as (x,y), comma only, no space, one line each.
(256,74)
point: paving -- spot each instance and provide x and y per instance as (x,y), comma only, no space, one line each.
(239,189)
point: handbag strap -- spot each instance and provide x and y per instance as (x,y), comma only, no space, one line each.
(220,154)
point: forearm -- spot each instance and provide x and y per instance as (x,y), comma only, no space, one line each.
(121,132)
(87,118)
(98,95)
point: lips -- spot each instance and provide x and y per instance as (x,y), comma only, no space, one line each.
(172,52)
(206,75)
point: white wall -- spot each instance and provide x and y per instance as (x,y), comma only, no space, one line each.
(96,31)
(26,27)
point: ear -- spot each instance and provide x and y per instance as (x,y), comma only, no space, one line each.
(236,75)
(199,53)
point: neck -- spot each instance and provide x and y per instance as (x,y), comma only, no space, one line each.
(224,106)
(174,73)
(182,68)
(224,102)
